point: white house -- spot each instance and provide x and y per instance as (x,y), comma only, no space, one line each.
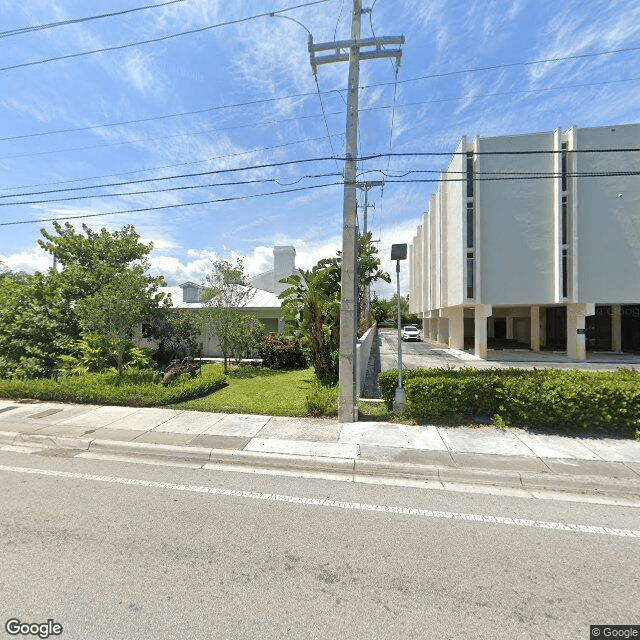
(264,303)
(534,240)
(284,265)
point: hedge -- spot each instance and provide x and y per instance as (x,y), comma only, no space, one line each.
(546,398)
(281,352)
(132,389)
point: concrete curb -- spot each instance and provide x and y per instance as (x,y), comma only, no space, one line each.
(444,475)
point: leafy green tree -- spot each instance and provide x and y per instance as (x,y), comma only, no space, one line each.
(382,309)
(312,305)
(311,308)
(175,332)
(32,323)
(225,297)
(115,312)
(246,337)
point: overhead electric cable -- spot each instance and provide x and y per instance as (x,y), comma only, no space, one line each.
(235,183)
(372,156)
(61,23)
(165,166)
(331,113)
(158,39)
(168,206)
(506,65)
(270,193)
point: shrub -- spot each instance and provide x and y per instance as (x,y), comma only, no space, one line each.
(132,388)
(322,399)
(546,398)
(282,352)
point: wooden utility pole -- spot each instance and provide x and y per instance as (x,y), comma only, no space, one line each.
(347,405)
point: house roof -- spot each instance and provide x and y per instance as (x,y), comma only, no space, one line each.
(259,299)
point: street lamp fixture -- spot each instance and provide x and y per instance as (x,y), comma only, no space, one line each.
(399,252)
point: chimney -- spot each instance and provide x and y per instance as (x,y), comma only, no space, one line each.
(284,265)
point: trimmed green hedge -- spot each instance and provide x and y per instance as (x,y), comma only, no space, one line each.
(593,400)
(132,389)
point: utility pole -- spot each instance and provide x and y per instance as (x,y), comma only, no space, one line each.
(347,406)
(365,186)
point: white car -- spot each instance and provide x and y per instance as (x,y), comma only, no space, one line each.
(409,332)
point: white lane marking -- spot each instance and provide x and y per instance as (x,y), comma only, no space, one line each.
(338,504)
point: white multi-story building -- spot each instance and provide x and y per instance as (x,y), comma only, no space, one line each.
(534,240)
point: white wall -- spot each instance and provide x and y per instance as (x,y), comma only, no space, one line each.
(455,213)
(608,226)
(516,222)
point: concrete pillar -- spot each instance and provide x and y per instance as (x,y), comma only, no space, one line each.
(535,328)
(481,312)
(433,328)
(616,328)
(510,322)
(576,343)
(456,328)
(443,330)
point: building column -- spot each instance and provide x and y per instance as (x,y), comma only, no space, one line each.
(443,330)
(481,312)
(616,328)
(433,329)
(535,328)
(456,328)
(510,322)
(576,343)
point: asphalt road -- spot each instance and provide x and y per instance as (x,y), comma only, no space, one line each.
(121,550)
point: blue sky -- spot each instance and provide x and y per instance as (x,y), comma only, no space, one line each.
(256,100)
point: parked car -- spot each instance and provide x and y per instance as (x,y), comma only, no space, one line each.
(409,332)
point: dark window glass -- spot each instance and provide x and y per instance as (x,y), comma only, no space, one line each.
(470,267)
(469,225)
(470,175)
(564,273)
(564,219)
(564,166)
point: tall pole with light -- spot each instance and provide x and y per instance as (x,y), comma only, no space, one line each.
(399,252)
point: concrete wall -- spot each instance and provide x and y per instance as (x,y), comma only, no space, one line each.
(363,351)
(453,216)
(516,220)
(608,216)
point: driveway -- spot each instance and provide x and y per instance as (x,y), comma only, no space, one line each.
(425,355)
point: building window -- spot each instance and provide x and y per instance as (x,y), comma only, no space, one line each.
(564,165)
(470,274)
(470,174)
(564,273)
(564,219)
(469,225)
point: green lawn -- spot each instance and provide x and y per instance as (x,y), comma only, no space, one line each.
(258,390)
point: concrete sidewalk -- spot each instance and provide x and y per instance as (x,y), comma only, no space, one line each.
(468,455)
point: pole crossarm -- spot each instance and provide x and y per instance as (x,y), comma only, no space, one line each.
(343,56)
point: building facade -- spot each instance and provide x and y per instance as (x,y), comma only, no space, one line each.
(534,241)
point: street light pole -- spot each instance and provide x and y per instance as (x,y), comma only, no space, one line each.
(399,252)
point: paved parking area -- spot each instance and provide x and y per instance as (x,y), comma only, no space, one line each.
(427,354)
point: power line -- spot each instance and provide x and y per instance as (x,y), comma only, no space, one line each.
(308,94)
(270,193)
(324,114)
(509,64)
(175,135)
(169,189)
(165,166)
(158,39)
(373,156)
(50,25)
(168,206)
